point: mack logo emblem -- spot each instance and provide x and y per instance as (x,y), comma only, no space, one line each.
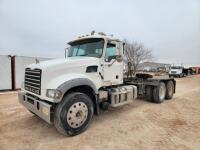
(32,90)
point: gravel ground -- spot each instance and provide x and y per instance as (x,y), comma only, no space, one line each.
(174,124)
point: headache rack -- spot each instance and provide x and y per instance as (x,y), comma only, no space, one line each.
(32,81)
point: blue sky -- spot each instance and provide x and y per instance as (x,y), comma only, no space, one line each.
(171,28)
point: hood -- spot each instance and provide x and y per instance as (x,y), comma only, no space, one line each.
(70,62)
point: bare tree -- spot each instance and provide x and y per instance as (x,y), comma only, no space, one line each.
(136,54)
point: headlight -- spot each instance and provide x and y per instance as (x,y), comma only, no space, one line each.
(53,93)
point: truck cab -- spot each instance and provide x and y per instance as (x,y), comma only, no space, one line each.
(67,92)
(176,71)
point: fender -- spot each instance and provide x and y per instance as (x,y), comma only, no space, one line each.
(68,81)
(64,87)
(78,82)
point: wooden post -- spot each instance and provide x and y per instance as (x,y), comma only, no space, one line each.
(13,74)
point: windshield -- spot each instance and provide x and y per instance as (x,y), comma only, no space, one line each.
(88,47)
(176,67)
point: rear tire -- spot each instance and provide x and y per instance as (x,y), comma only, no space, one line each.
(149,93)
(170,90)
(159,93)
(73,114)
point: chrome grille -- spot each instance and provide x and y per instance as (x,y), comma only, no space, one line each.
(33,80)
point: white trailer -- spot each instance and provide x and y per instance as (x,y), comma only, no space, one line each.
(5,73)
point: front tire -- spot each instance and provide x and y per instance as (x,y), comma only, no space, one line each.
(159,93)
(73,114)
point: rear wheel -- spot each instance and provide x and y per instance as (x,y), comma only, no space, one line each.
(170,90)
(149,93)
(159,93)
(73,114)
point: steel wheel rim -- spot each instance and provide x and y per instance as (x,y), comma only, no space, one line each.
(77,114)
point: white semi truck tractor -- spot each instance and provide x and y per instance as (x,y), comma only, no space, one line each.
(177,71)
(67,92)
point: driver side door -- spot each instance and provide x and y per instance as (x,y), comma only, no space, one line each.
(112,69)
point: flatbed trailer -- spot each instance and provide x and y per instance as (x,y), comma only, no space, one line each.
(147,85)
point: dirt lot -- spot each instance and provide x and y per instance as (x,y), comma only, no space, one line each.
(174,124)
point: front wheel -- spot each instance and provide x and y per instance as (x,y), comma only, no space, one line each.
(73,114)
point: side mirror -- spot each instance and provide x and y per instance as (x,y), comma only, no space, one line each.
(111,58)
(66,51)
(119,58)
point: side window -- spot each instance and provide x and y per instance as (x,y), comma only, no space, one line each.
(110,52)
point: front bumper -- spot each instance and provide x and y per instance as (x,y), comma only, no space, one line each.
(40,108)
(175,75)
